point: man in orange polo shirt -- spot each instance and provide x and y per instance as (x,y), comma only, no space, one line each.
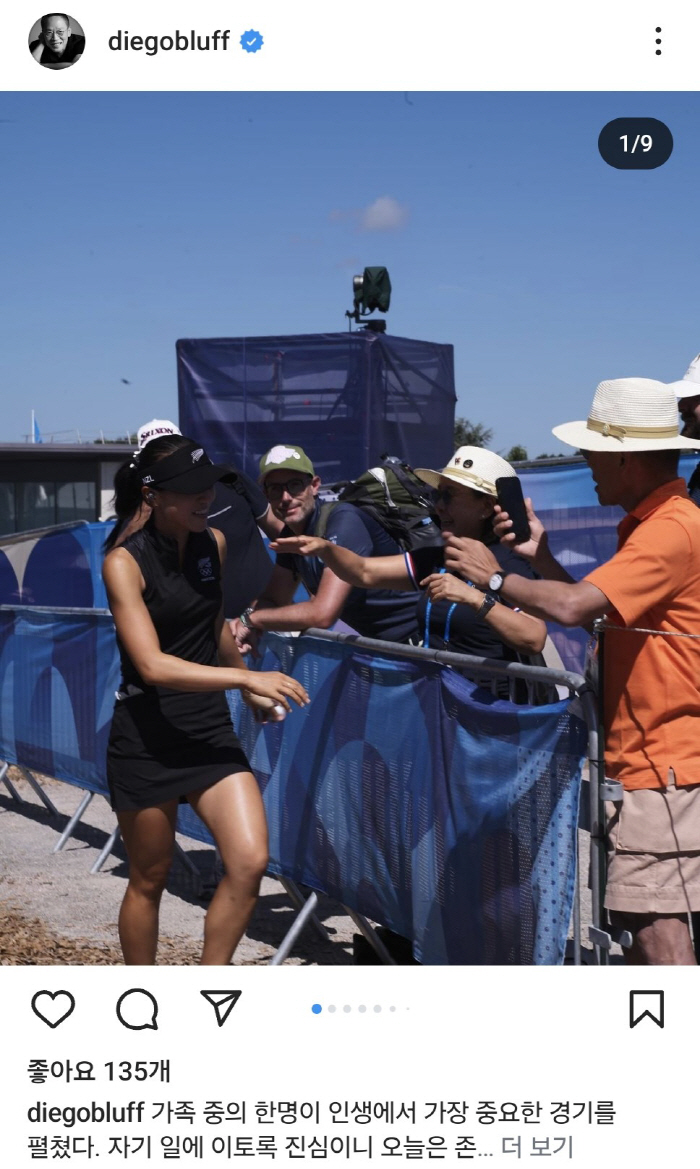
(650,593)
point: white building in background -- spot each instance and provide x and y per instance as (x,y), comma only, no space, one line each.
(42,484)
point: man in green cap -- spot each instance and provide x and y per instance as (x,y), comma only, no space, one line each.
(291,485)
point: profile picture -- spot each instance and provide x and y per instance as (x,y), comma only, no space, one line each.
(56,40)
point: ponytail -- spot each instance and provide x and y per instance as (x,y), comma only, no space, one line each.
(127,497)
(128,481)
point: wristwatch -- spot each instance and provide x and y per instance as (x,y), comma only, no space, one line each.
(486,605)
(245,617)
(496,582)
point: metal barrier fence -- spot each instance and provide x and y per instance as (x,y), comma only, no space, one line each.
(39,675)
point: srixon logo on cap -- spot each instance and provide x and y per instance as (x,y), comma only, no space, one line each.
(196,455)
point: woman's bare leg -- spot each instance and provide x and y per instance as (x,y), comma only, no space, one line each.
(233,811)
(149,837)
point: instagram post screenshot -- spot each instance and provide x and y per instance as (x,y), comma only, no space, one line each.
(349,583)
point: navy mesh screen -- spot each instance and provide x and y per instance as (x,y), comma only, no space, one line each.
(346,398)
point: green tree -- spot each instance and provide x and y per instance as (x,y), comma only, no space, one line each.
(516,454)
(468,433)
(545,456)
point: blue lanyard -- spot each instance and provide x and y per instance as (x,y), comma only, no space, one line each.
(448,619)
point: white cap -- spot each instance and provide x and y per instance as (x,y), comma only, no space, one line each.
(472,466)
(156,428)
(689,385)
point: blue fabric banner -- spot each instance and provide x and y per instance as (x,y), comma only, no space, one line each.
(419,800)
(61,568)
(58,675)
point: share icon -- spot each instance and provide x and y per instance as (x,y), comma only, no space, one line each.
(223,1002)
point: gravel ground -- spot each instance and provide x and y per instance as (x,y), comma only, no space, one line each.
(54,912)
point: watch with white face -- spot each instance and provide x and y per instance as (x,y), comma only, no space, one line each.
(496,582)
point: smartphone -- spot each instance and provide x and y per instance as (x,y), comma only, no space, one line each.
(510,498)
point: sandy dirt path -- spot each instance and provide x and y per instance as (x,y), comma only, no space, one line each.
(53,911)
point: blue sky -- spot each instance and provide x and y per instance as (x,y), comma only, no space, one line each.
(130,220)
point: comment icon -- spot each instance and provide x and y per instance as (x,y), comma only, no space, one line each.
(137,1009)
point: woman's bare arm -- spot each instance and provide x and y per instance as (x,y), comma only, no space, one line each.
(365,572)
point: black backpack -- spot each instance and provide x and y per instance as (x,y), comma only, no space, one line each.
(397,499)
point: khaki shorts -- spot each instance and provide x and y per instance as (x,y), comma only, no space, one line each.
(654,850)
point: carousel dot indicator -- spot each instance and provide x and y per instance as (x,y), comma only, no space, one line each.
(377,1009)
(317,1008)
(331,1009)
(347,1009)
(362,1009)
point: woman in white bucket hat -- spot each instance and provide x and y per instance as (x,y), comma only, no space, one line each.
(649,593)
(452,614)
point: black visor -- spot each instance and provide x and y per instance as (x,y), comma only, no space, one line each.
(187,471)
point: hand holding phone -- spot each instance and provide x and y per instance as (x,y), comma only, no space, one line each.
(510,499)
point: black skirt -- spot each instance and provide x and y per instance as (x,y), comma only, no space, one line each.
(166,745)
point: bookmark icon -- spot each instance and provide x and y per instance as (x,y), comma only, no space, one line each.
(647,1004)
(223,1002)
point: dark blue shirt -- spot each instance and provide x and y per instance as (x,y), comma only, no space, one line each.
(378,613)
(467,633)
(236,512)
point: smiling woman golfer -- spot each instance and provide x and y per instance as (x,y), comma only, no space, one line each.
(171,738)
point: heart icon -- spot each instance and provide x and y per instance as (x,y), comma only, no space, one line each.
(53,1006)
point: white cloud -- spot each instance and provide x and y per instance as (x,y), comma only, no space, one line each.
(385,214)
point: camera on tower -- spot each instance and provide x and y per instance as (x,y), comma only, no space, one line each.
(371,290)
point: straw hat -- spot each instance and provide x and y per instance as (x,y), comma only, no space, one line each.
(630,414)
(689,385)
(472,466)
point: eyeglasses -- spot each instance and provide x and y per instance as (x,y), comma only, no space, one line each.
(293,487)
